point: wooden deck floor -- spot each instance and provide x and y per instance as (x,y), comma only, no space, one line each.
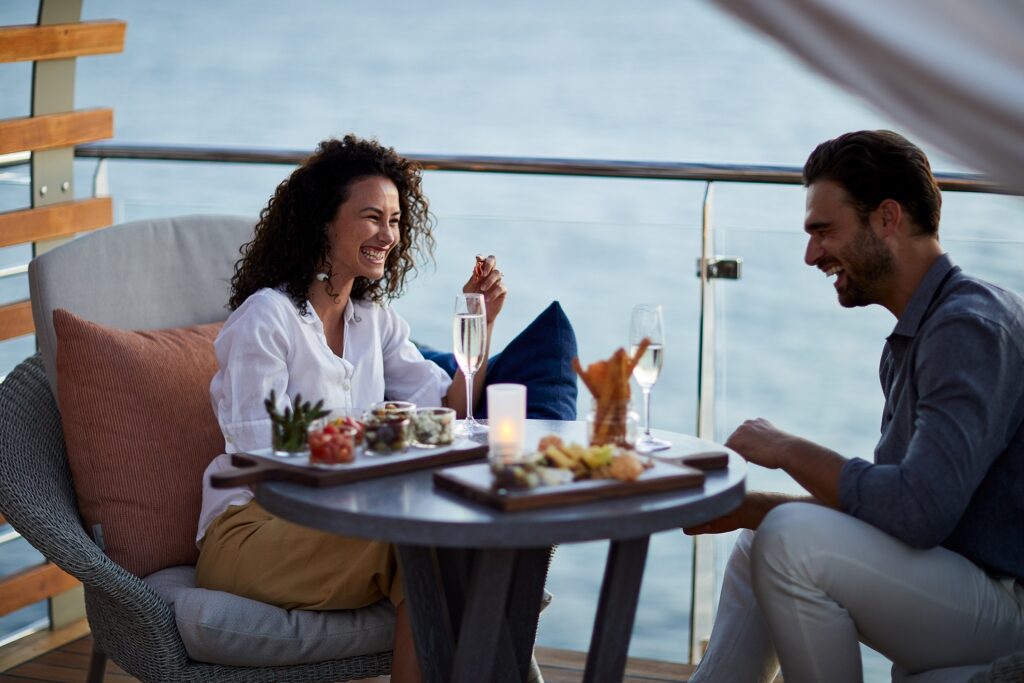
(47,659)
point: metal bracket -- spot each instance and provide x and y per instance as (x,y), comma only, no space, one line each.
(723,268)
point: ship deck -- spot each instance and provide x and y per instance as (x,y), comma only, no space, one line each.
(62,656)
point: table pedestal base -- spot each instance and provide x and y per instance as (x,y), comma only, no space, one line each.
(474,612)
(616,611)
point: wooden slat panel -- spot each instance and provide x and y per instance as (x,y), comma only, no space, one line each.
(55,220)
(83,645)
(558,666)
(16,320)
(40,672)
(56,130)
(60,41)
(42,642)
(32,585)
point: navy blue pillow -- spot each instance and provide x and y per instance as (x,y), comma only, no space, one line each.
(539,357)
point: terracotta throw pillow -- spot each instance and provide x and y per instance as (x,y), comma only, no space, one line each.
(140,430)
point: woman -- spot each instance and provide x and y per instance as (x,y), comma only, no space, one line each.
(333,246)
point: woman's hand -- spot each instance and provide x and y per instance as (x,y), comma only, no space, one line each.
(486,280)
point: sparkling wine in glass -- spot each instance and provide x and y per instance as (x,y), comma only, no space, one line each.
(469,337)
(647,321)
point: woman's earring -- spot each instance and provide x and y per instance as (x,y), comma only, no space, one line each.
(323,277)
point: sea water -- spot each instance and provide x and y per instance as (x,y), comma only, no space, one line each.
(601,79)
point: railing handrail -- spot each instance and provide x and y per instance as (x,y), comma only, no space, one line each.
(604,168)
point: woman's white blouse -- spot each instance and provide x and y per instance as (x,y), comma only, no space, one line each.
(266,344)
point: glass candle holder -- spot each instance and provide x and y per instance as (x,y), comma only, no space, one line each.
(506,420)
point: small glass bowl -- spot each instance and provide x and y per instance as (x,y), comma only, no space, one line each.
(281,450)
(349,421)
(332,442)
(389,408)
(386,434)
(433,427)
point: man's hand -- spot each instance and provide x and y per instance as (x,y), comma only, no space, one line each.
(759,442)
(755,505)
(814,467)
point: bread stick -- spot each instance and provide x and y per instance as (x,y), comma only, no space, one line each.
(587,381)
(644,343)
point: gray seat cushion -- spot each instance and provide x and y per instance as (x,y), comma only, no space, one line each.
(221,628)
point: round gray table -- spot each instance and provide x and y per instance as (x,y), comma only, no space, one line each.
(474,575)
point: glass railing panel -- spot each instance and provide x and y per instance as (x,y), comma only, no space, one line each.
(598,246)
(597,270)
(144,189)
(787,350)
(591,290)
(19,12)
(14,287)
(661,629)
(985,236)
(15,192)
(595,245)
(16,555)
(13,351)
(15,187)
(16,78)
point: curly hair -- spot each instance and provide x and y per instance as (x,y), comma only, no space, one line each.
(290,244)
(875,165)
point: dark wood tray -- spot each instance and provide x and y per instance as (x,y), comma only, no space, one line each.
(253,468)
(706,461)
(474,482)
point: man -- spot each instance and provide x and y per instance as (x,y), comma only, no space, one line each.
(919,555)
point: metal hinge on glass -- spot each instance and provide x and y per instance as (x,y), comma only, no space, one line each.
(723,268)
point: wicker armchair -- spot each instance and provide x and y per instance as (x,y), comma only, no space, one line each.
(1004,670)
(130,623)
(149,274)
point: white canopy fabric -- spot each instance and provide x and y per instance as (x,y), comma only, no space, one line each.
(951,71)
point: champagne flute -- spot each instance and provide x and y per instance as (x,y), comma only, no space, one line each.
(469,335)
(647,321)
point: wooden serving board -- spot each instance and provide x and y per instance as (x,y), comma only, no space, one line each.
(474,482)
(253,468)
(707,461)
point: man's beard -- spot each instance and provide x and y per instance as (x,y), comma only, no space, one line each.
(868,265)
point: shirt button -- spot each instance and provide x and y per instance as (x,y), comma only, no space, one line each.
(346,385)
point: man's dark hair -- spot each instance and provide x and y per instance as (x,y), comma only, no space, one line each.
(875,165)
